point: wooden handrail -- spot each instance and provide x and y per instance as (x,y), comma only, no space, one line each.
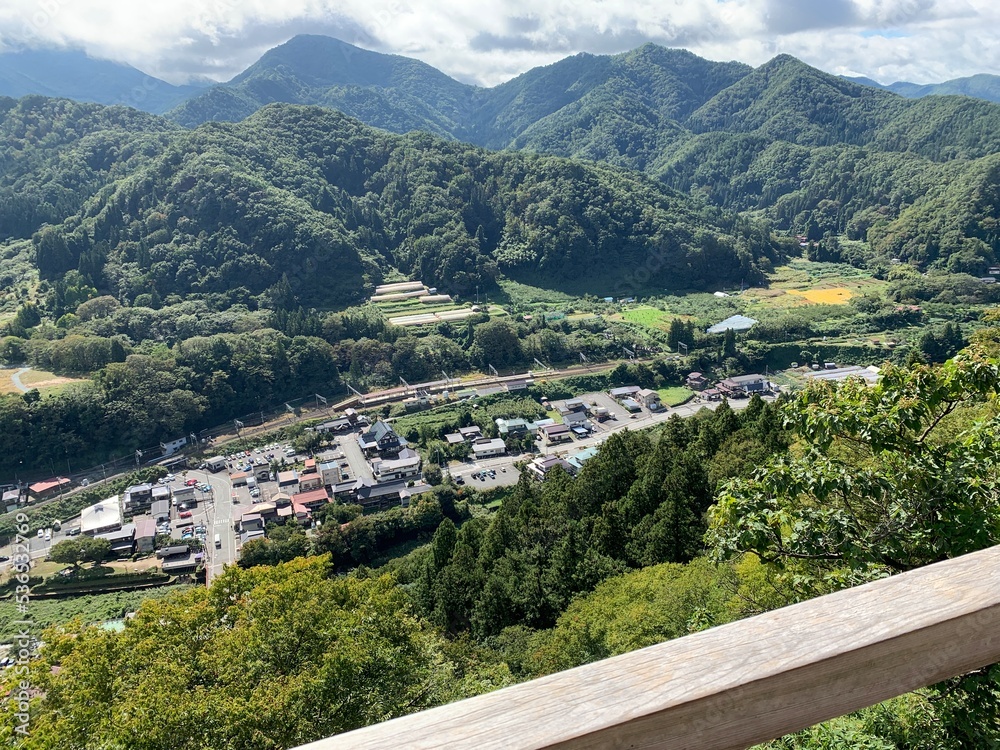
(739,684)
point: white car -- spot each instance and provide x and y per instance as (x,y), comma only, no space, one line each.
(48,535)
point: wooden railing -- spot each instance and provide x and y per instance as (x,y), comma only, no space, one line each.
(738,684)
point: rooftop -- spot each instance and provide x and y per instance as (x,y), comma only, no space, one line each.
(735,322)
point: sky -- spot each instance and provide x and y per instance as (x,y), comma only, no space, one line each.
(922,41)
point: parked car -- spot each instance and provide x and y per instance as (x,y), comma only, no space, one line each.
(41,533)
(191,483)
(205,487)
(185,514)
(255,492)
(74,531)
(459,480)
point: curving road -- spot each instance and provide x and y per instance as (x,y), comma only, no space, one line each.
(15,378)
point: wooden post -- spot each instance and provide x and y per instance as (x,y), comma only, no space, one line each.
(739,684)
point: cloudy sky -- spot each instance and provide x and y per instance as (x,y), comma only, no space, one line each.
(922,41)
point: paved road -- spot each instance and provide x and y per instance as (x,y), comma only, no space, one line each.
(602,430)
(15,378)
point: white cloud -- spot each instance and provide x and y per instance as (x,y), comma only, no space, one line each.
(917,40)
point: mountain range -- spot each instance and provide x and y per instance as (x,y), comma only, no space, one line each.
(74,75)
(190,204)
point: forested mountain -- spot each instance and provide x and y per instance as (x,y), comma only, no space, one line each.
(815,153)
(980,86)
(304,205)
(74,75)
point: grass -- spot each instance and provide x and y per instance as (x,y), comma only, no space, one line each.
(43,380)
(675,395)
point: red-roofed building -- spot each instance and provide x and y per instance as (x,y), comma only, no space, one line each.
(312,499)
(49,488)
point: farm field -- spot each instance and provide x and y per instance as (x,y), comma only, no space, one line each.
(803,282)
(650,317)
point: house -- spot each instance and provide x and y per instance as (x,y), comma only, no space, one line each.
(122,540)
(329,473)
(601,413)
(696,381)
(145,533)
(470,433)
(734,323)
(384,496)
(649,399)
(575,418)
(183,494)
(577,460)
(575,405)
(627,391)
(239,479)
(262,473)
(406,466)
(267,511)
(380,439)
(454,438)
(251,522)
(310,480)
(138,497)
(49,488)
(486,448)
(311,500)
(341,424)
(742,385)
(556,433)
(287,479)
(160,511)
(541,466)
(511,426)
(102,517)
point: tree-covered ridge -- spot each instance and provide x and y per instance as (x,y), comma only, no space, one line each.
(300,205)
(811,151)
(57,153)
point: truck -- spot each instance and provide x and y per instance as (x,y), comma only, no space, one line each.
(215,464)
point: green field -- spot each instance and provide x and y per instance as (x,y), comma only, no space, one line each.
(92,609)
(650,317)
(675,395)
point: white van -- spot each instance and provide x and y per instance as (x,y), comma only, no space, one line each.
(218,541)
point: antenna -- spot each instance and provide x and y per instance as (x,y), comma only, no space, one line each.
(320,400)
(403,381)
(494,371)
(629,352)
(354,390)
(447,377)
(542,364)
